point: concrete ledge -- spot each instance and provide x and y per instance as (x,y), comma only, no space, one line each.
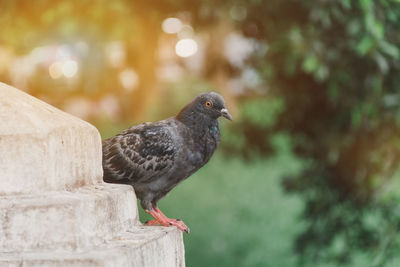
(145,246)
(43,148)
(55,209)
(67,220)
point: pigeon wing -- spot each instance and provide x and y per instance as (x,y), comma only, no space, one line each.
(138,154)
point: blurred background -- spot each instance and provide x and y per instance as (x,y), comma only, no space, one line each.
(307,174)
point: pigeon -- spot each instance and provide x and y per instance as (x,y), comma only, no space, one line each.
(155,157)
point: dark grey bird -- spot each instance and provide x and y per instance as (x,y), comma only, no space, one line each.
(156,157)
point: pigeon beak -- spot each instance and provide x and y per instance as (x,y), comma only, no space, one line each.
(225,114)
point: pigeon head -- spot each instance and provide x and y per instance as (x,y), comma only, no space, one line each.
(207,105)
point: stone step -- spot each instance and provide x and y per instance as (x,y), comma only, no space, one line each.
(143,246)
(43,148)
(84,217)
(55,209)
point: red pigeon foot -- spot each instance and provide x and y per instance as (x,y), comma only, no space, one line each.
(160,218)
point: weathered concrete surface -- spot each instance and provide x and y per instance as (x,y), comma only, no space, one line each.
(66,220)
(43,148)
(143,247)
(54,208)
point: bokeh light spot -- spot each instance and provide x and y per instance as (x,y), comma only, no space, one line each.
(129,79)
(171,25)
(238,13)
(186,47)
(55,70)
(69,68)
(116,54)
(186,32)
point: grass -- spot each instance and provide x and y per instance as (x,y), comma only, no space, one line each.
(237,212)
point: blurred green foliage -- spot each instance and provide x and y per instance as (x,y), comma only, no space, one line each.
(335,67)
(253,128)
(238,212)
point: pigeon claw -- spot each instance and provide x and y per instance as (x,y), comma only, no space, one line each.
(161,219)
(170,222)
(179,224)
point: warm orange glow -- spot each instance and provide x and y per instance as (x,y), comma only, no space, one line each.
(129,79)
(186,32)
(55,70)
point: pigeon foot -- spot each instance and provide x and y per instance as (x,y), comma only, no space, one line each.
(170,222)
(161,219)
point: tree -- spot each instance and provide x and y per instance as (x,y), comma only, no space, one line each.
(335,65)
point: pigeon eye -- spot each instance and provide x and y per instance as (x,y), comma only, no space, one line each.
(208,104)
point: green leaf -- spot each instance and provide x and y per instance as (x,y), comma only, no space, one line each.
(365,45)
(366,4)
(346,4)
(353,27)
(322,73)
(382,63)
(310,64)
(378,30)
(389,49)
